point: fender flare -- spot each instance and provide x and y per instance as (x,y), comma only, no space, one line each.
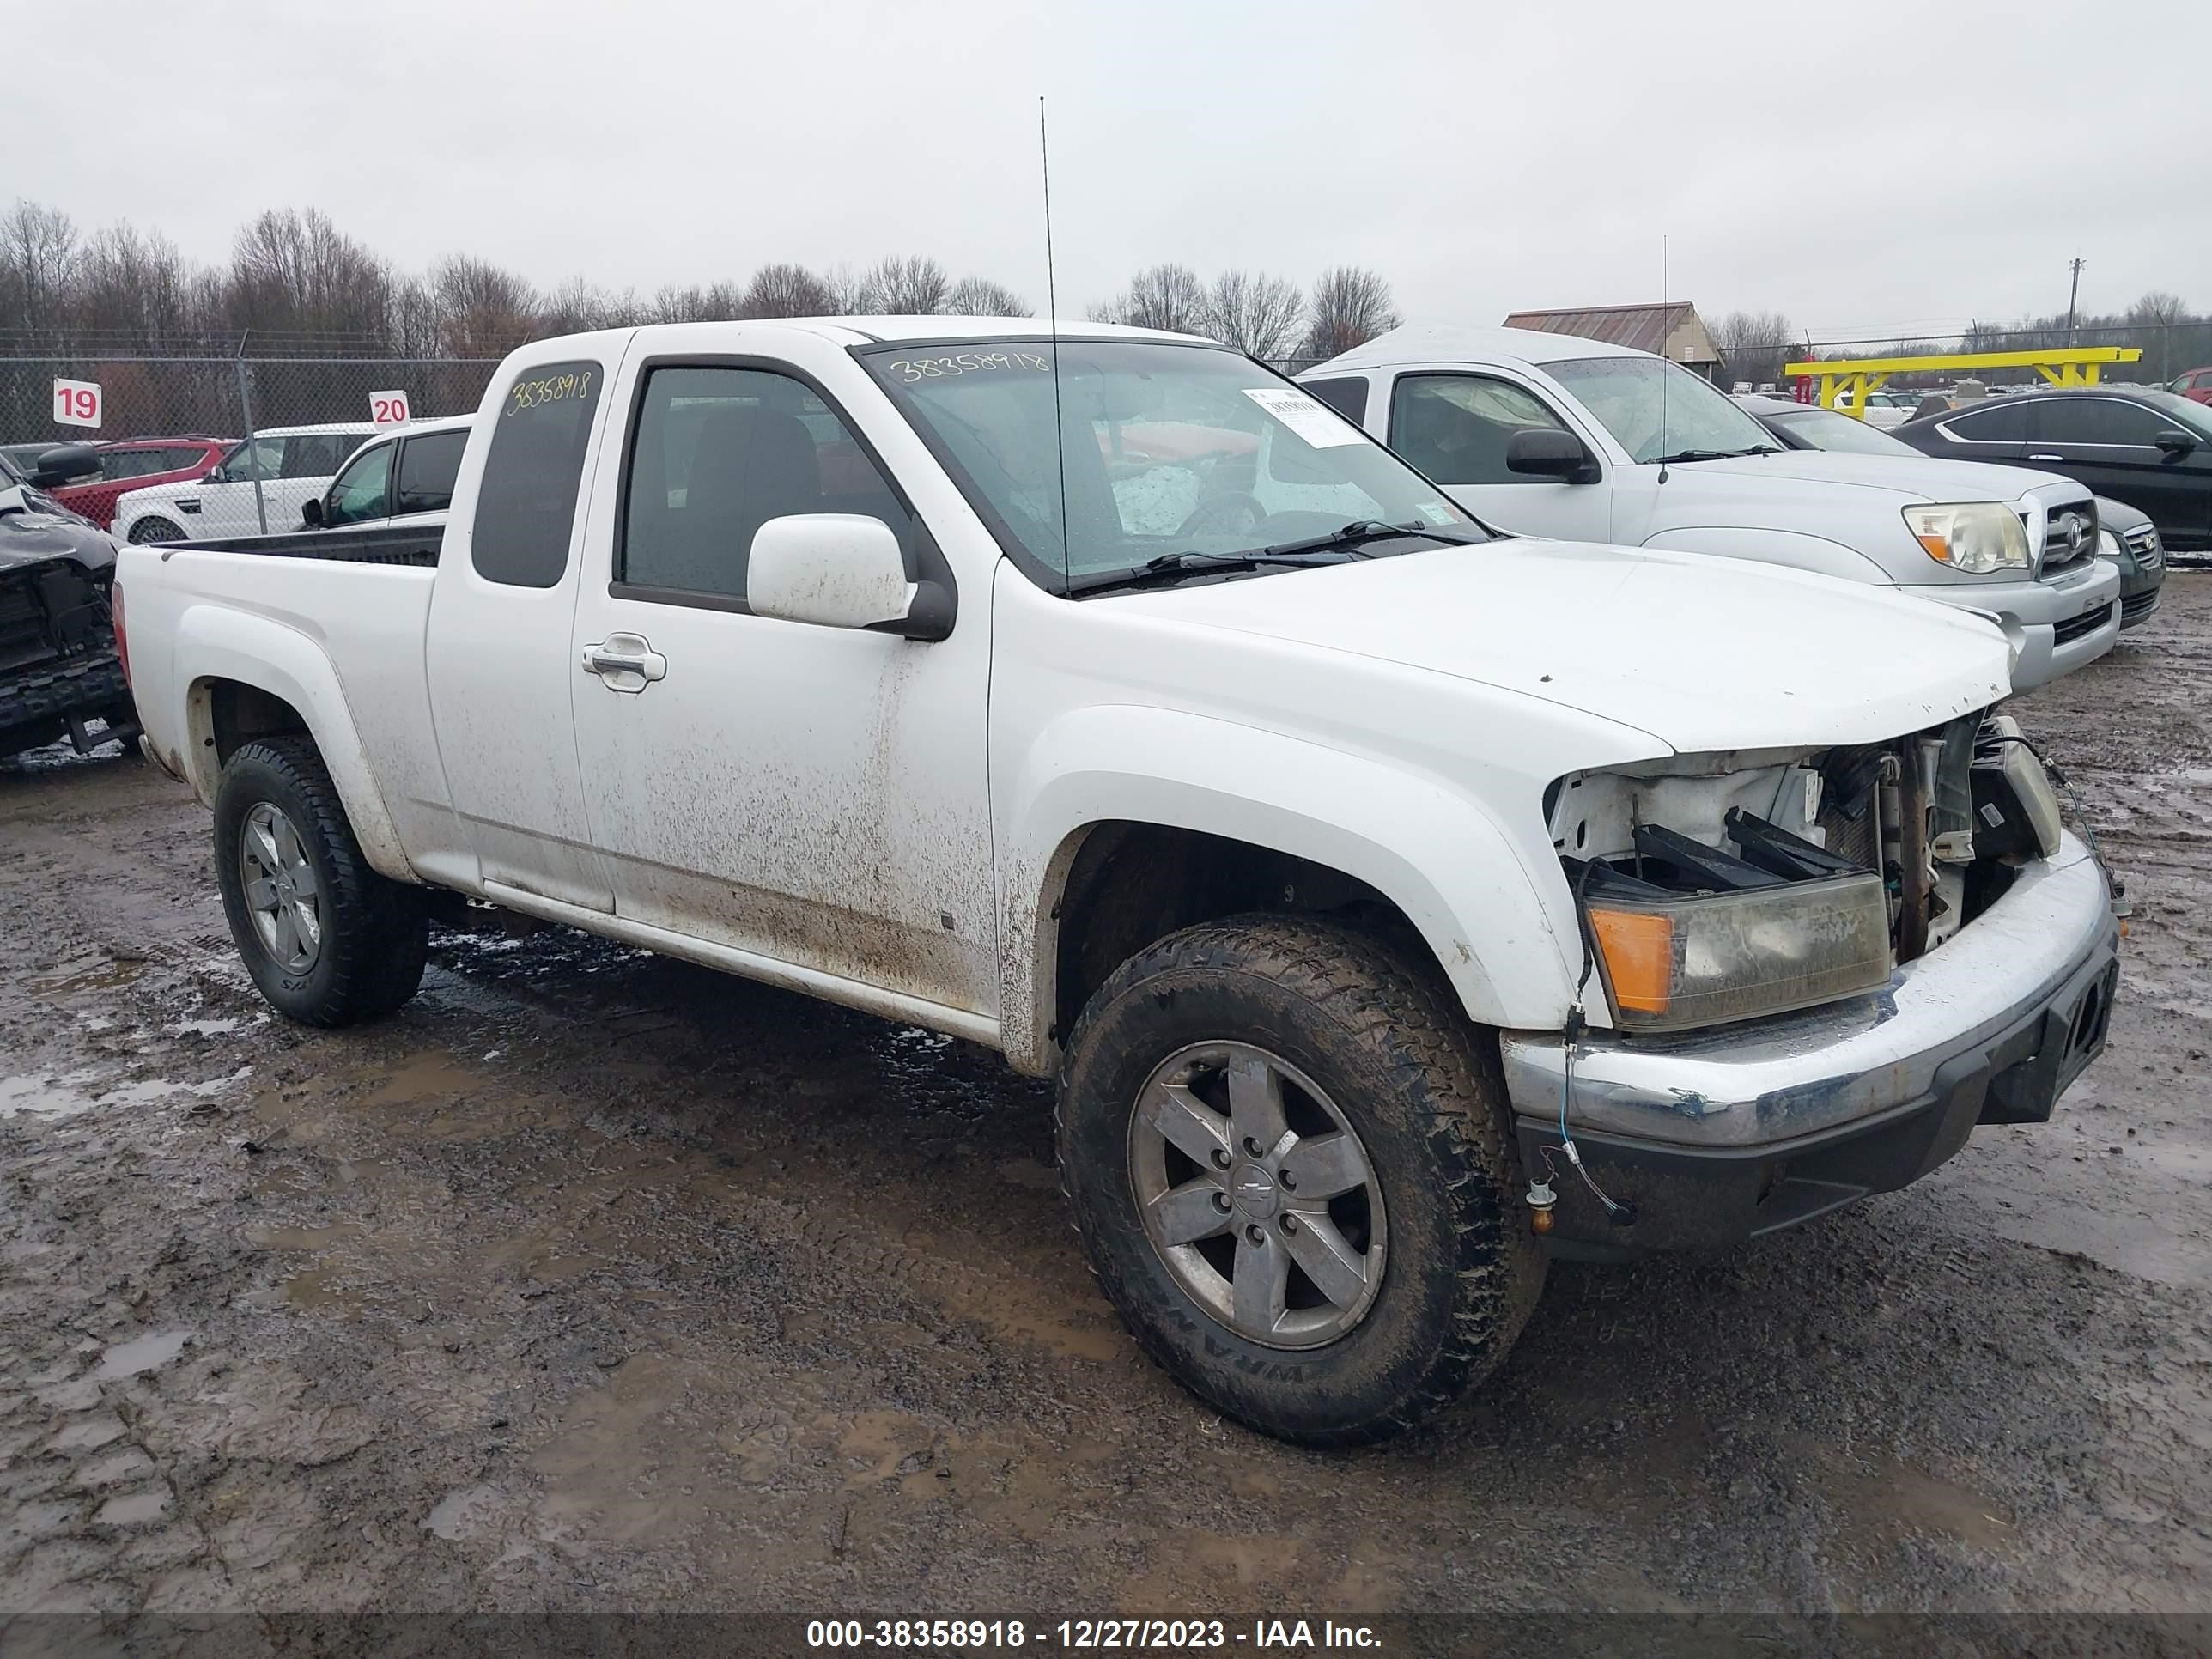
(1461,877)
(215,642)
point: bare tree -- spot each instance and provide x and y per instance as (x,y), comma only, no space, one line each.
(482,311)
(37,246)
(294,271)
(716,303)
(914,286)
(788,290)
(1160,297)
(1349,307)
(1754,346)
(1255,312)
(979,296)
(134,290)
(577,307)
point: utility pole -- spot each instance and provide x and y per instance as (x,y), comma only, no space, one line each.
(2072,296)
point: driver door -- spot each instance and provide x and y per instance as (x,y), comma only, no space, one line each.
(812,796)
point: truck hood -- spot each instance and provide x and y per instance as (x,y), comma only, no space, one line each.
(1908,477)
(1704,654)
(31,536)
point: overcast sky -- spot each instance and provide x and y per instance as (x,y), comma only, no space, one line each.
(1864,166)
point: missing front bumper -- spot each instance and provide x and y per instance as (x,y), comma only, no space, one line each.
(1721,1134)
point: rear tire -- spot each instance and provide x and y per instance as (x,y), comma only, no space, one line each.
(328,940)
(1422,1282)
(147,530)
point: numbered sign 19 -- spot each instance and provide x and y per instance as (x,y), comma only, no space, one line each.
(77,402)
(387,408)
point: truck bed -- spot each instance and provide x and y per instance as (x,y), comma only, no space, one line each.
(403,544)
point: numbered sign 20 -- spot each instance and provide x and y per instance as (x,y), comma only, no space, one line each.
(387,408)
(77,402)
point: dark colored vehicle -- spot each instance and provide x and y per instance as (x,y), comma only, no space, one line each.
(2147,447)
(2125,535)
(2195,386)
(59,670)
(133,464)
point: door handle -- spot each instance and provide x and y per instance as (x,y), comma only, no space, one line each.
(625,662)
(2046,458)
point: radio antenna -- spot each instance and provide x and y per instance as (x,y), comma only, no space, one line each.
(1052,326)
(1664,360)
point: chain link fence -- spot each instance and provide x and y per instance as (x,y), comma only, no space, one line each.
(147,396)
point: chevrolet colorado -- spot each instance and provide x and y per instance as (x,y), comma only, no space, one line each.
(1397,904)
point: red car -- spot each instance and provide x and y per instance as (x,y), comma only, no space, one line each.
(2197,384)
(133,464)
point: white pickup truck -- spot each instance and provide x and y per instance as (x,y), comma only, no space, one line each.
(1397,905)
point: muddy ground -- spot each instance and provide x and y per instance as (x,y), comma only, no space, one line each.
(597,1281)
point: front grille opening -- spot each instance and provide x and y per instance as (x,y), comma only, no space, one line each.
(2088,622)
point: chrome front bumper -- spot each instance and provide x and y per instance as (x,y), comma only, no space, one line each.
(1735,1088)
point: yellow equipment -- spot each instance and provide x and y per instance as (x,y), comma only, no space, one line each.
(1845,382)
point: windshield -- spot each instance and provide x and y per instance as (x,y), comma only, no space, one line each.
(1824,429)
(1625,394)
(1167,450)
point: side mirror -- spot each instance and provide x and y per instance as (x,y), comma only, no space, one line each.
(841,570)
(311,512)
(64,462)
(2172,441)
(1548,452)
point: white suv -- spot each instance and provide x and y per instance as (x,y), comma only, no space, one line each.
(295,462)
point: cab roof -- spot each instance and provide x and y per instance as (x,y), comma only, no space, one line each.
(1449,342)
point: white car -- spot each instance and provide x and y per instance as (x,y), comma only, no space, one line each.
(294,463)
(1364,877)
(1551,435)
(405,474)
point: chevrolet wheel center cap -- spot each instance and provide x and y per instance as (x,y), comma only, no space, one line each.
(1255,1192)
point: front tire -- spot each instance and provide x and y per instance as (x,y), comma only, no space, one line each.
(328,940)
(148,532)
(1288,1161)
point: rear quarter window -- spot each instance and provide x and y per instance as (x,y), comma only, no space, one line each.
(527,504)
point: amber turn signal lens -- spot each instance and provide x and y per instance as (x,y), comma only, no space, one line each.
(1639,957)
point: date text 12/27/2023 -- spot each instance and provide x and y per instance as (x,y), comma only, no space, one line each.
(1082,1635)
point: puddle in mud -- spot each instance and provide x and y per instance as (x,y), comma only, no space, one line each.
(95,973)
(142,1353)
(68,1093)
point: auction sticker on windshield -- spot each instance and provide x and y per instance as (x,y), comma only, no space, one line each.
(1314,421)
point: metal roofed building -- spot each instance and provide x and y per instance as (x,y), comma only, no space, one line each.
(1669,328)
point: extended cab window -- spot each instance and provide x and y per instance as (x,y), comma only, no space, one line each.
(1455,427)
(526,503)
(721,451)
(362,489)
(428,468)
(1348,398)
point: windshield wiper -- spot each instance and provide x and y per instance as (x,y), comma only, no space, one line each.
(1714,454)
(1172,567)
(1360,531)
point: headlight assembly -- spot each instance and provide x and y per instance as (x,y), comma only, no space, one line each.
(1975,537)
(1704,959)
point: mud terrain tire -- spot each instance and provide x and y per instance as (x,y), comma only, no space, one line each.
(374,931)
(1403,1069)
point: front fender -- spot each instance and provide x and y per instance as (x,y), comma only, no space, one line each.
(1460,876)
(216,643)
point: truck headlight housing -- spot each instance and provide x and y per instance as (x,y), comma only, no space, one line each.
(2108,543)
(1975,537)
(1711,957)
